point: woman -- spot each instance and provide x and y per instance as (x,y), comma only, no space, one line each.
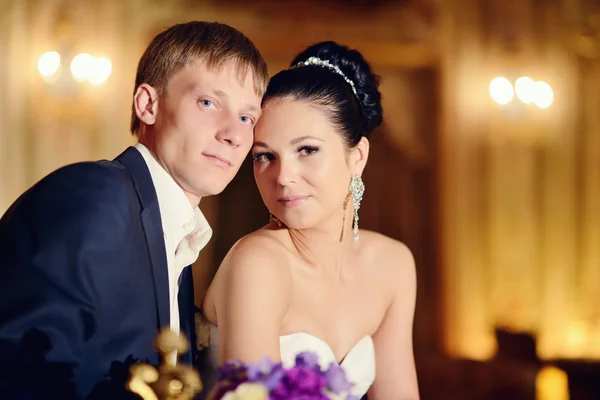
(310,280)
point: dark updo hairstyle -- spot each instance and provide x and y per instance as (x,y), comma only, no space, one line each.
(353,115)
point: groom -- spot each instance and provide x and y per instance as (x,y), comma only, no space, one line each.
(95,258)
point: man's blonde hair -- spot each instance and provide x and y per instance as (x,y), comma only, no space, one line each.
(210,42)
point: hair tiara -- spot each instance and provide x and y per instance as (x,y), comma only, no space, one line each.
(326,64)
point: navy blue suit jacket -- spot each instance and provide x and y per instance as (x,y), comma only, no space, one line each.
(83,280)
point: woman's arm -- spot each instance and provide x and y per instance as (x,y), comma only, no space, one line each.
(252,300)
(396,378)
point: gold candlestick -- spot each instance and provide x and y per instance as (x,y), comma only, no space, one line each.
(170,381)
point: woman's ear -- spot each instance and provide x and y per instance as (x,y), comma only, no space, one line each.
(145,102)
(359,156)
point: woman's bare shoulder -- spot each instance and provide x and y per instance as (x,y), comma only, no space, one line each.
(392,256)
(255,266)
(261,247)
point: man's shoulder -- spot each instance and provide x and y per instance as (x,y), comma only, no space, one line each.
(94,189)
(94,181)
(95,174)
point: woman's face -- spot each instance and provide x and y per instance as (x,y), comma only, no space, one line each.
(301,165)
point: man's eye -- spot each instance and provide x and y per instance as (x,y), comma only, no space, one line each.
(206,103)
(247,120)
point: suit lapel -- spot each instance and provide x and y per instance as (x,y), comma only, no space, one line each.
(186,311)
(152,225)
(158,258)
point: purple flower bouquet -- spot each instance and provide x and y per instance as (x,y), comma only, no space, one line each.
(271,381)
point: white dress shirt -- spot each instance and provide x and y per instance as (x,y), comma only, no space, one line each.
(185,228)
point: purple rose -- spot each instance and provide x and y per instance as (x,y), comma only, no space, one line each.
(232,370)
(272,380)
(308,359)
(336,379)
(259,369)
(300,383)
(266,372)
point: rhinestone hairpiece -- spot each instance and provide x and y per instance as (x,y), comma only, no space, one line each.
(326,64)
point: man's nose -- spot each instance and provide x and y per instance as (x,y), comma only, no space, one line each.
(231,133)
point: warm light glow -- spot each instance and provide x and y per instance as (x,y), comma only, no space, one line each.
(576,337)
(84,67)
(48,63)
(543,94)
(100,71)
(525,89)
(81,66)
(501,90)
(551,383)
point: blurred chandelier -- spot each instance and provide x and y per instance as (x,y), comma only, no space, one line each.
(84,67)
(69,51)
(513,47)
(527,90)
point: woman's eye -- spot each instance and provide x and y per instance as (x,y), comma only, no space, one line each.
(263,157)
(307,150)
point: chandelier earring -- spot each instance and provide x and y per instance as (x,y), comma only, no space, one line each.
(274,219)
(357,190)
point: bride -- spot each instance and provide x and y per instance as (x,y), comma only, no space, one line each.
(310,279)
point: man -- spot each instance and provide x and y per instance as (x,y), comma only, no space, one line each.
(94,258)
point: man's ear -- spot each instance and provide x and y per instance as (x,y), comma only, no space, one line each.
(359,156)
(145,102)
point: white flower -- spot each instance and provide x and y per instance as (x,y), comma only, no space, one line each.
(248,391)
(332,396)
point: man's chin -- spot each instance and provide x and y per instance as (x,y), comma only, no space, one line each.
(214,190)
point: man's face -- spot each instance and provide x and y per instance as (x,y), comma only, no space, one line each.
(204,126)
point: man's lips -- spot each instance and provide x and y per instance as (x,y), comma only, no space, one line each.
(218,160)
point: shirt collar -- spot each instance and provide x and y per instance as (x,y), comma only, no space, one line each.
(179,218)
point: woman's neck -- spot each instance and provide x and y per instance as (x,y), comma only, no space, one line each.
(330,244)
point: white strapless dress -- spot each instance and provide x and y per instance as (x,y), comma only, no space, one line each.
(358,364)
